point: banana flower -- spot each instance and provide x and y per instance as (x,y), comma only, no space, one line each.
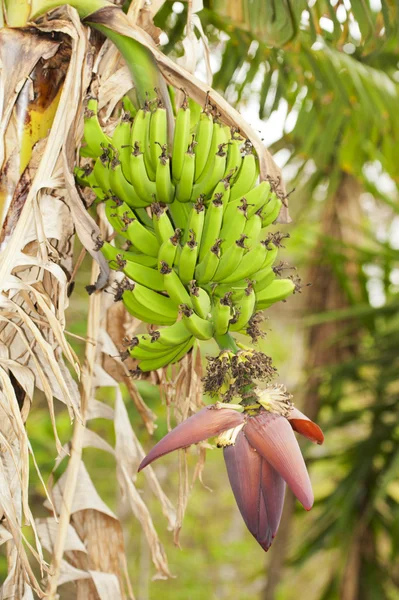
(261,454)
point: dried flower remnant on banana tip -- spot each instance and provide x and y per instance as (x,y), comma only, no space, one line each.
(260,451)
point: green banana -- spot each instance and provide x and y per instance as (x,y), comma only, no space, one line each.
(179,212)
(101,171)
(198,327)
(222,314)
(212,225)
(180,140)
(245,310)
(246,176)
(264,278)
(233,227)
(203,137)
(200,300)
(234,158)
(94,136)
(250,264)
(270,213)
(174,335)
(144,275)
(142,312)
(218,138)
(258,197)
(158,303)
(145,188)
(165,190)
(175,355)
(271,256)
(207,184)
(114,208)
(158,132)
(121,142)
(174,286)
(162,226)
(206,268)
(142,238)
(168,250)
(222,192)
(188,259)
(195,221)
(117,256)
(279,289)
(253,228)
(140,140)
(184,188)
(121,188)
(230,259)
(140,127)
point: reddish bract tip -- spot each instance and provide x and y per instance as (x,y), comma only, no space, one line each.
(272,436)
(206,423)
(303,425)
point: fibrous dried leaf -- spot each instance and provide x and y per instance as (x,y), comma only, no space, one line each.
(86,496)
(47,529)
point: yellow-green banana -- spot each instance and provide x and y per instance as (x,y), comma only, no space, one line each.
(279,289)
(165,190)
(206,268)
(188,259)
(174,286)
(245,309)
(203,138)
(168,250)
(230,259)
(198,327)
(200,300)
(222,314)
(250,264)
(121,139)
(246,176)
(212,225)
(94,136)
(181,140)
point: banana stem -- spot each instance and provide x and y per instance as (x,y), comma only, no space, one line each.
(145,73)
(249,398)
(84,7)
(226,342)
(142,66)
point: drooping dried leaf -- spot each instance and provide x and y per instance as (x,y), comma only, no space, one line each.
(19,53)
(47,529)
(129,454)
(141,512)
(86,496)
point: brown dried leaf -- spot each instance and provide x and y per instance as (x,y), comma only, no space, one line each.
(141,512)
(130,453)
(19,53)
(47,529)
(86,496)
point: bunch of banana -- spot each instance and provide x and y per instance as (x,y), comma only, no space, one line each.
(189,220)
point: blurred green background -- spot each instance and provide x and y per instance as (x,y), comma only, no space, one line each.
(319,80)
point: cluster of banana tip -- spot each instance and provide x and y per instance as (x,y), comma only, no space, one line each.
(189,220)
